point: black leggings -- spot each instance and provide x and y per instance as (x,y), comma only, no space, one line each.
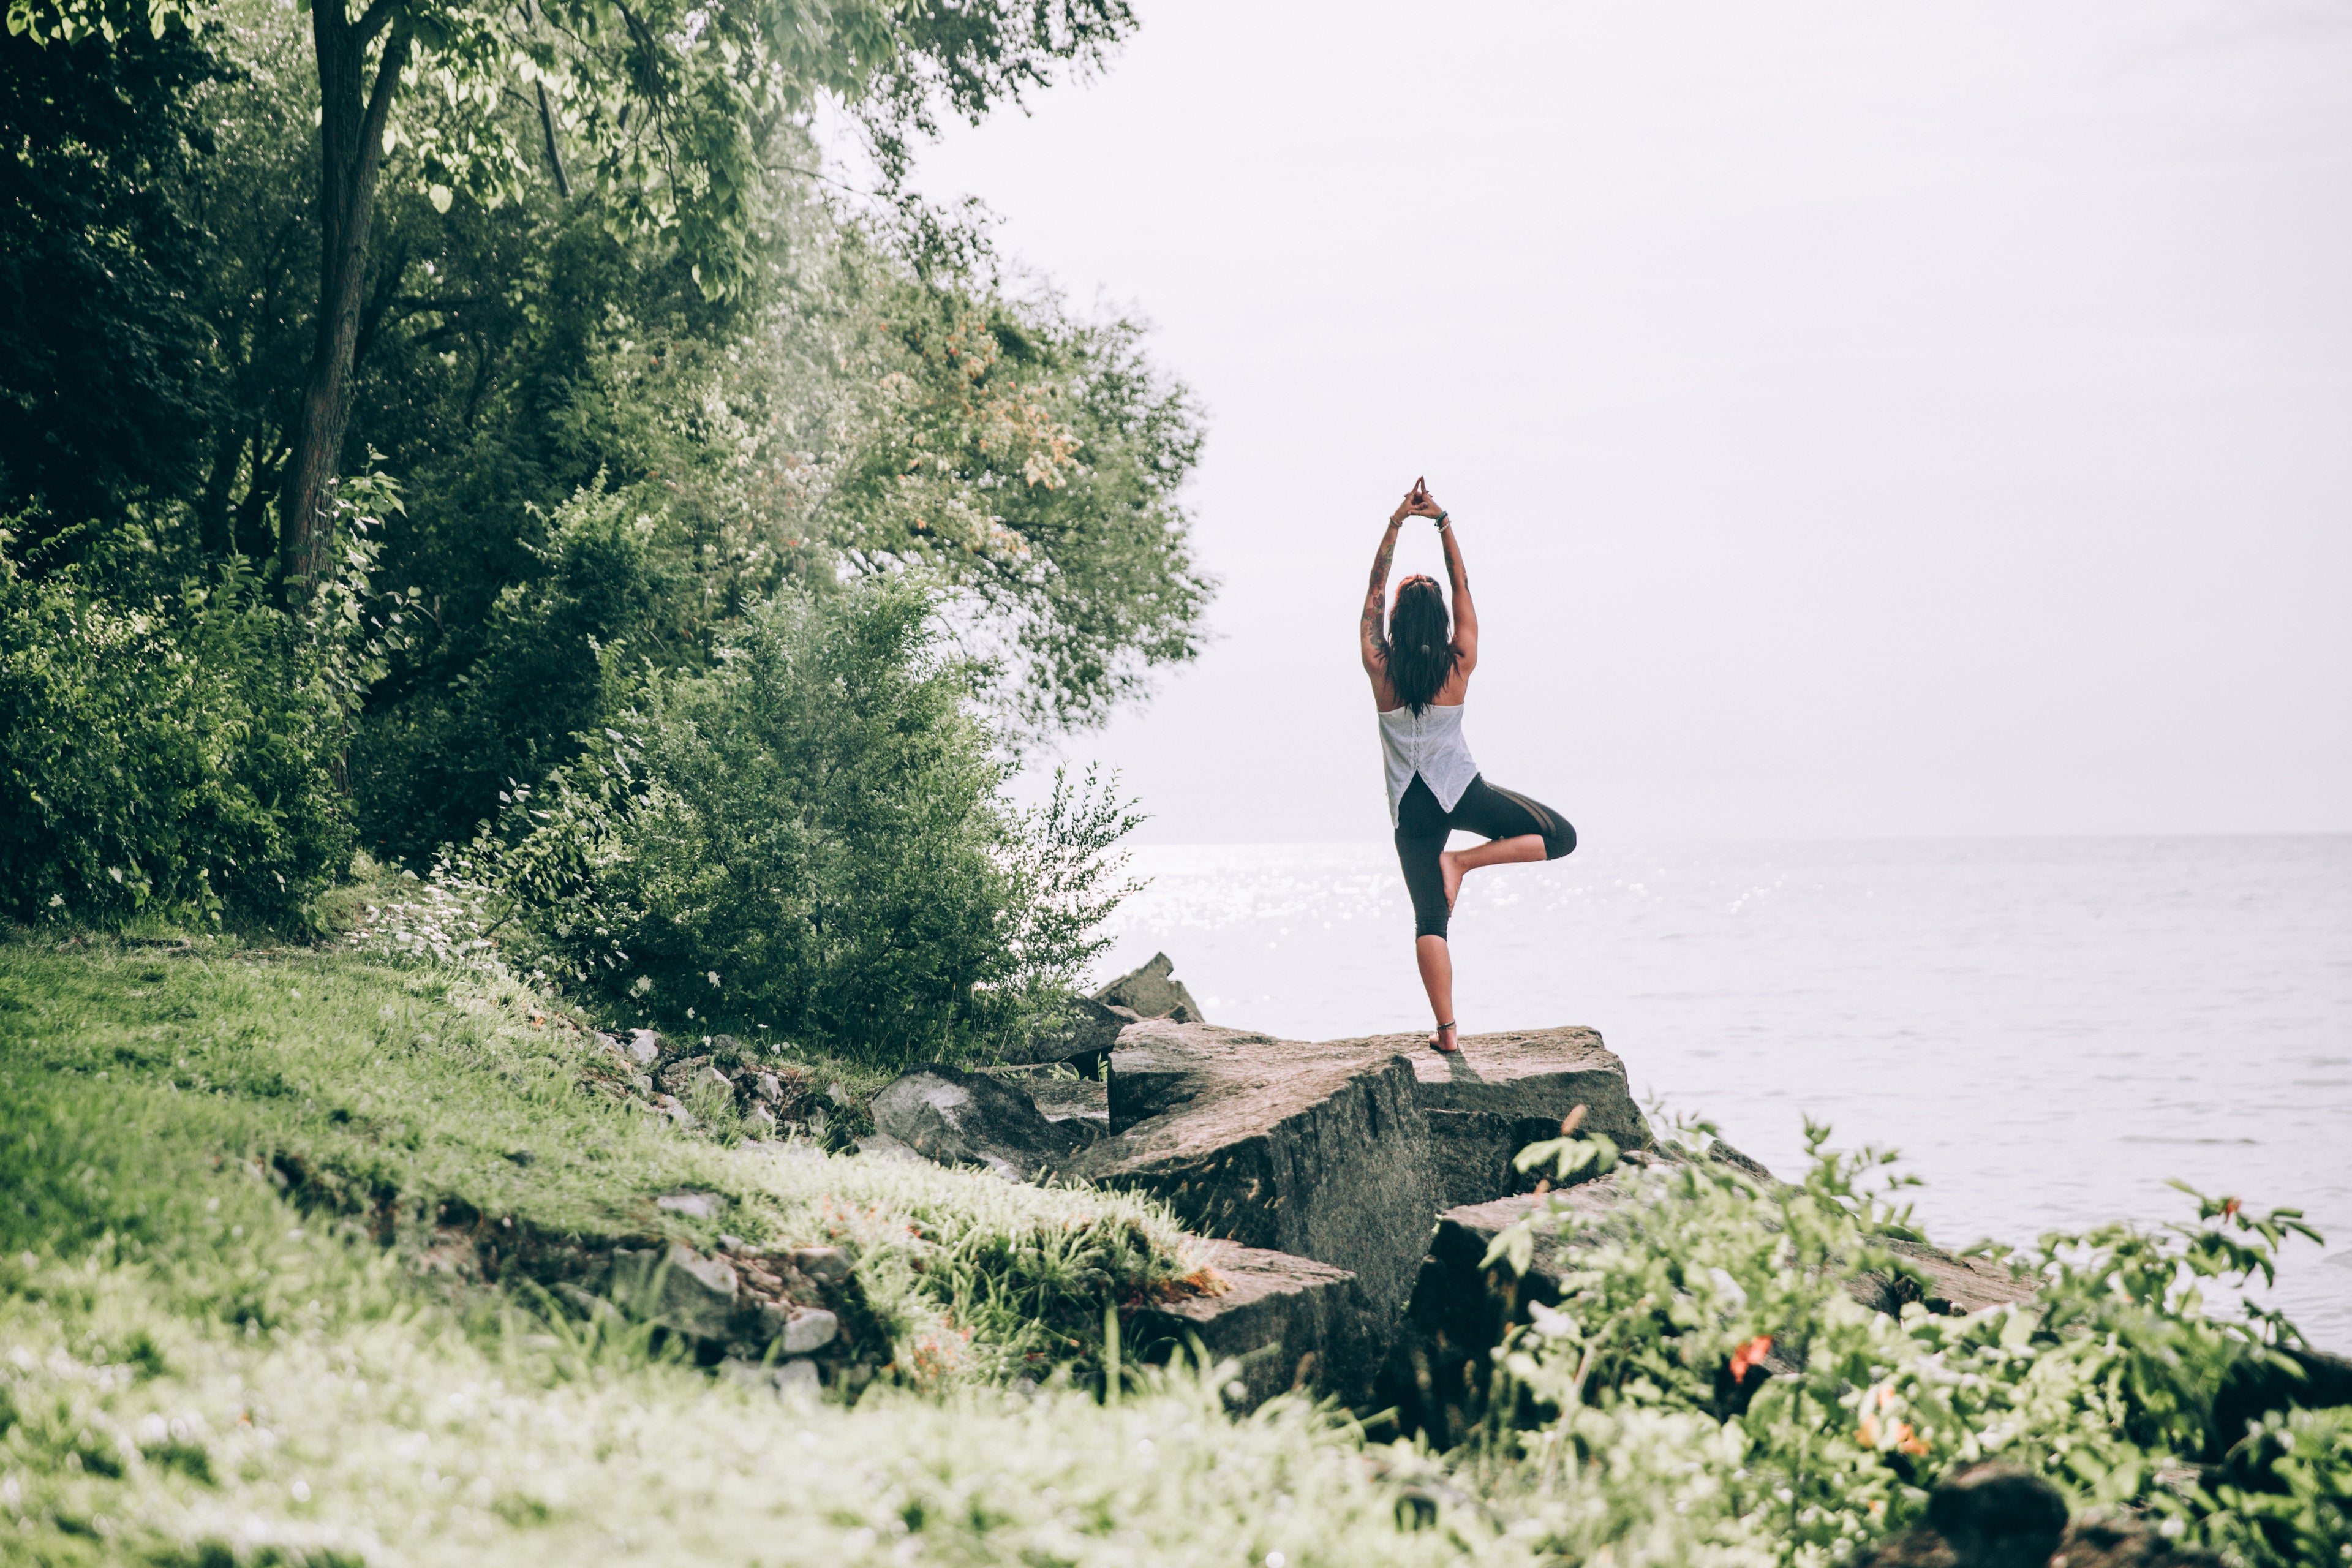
(1488,812)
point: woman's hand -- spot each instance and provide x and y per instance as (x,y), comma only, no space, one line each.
(1417,502)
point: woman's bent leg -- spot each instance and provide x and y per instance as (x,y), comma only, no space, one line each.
(1504,815)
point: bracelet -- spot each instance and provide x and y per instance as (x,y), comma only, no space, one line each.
(1441,520)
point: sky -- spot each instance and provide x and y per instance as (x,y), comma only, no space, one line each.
(1859,420)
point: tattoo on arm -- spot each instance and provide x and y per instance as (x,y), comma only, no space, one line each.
(1372,623)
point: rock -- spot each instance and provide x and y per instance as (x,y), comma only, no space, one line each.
(1502,1092)
(692,1204)
(1153,991)
(839,1096)
(727,1048)
(881,1145)
(670,1108)
(1724,1154)
(1953,1285)
(1998,1516)
(1288,1321)
(959,1117)
(807,1329)
(795,1380)
(681,1076)
(1085,1034)
(644,1046)
(760,1123)
(1084,1101)
(1290,1148)
(825,1265)
(681,1289)
(768,1087)
(2311,1380)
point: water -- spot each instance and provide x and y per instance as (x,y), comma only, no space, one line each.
(2048,1028)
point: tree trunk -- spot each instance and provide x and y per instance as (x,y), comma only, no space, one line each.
(352,115)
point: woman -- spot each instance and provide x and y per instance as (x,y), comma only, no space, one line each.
(1420,673)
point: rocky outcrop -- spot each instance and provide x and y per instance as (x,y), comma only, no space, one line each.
(1288,1322)
(1503,1091)
(1301,1149)
(960,1118)
(1153,991)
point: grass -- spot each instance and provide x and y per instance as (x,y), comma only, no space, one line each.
(202,1362)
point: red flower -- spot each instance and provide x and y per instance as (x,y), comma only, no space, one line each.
(1752,1354)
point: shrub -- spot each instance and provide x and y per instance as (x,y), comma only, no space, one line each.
(2105,1383)
(167,756)
(814,835)
(545,666)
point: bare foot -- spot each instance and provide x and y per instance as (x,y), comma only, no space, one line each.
(1445,1042)
(1449,865)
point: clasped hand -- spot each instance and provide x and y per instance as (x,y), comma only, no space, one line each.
(1417,502)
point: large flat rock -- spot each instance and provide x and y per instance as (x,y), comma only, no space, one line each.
(1503,1091)
(1317,1151)
(1288,1322)
(1343,1151)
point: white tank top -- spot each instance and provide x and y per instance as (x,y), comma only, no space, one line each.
(1430,745)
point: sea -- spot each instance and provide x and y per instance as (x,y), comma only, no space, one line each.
(2049,1030)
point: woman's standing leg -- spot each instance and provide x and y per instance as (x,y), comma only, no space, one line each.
(1420,835)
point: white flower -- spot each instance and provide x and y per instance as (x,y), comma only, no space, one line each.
(712,977)
(644,983)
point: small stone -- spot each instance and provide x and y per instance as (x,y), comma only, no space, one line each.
(825,1265)
(798,1380)
(809,1328)
(712,1076)
(768,1088)
(730,1243)
(760,1123)
(692,1204)
(727,1046)
(838,1095)
(644,1046)
(674,1111)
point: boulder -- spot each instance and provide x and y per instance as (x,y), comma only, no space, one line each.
(1083,1035)
(1153,991)
(1293,1148)
(1503,1091)
(960,1118)
(1083,1099)
(680,1290)
(1287,1321)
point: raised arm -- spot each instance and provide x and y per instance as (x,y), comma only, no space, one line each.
(1367,629)
(1465,614)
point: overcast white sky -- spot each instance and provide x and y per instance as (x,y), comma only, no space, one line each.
(1861,419)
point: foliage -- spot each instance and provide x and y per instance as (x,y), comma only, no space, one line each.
(101,349)
(554,660)
(812,834)
(1712,1315)
(165,756)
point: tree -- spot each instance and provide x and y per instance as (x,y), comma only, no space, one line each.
(671,101)
(102,393)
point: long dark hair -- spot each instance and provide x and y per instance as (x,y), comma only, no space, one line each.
(1421,643)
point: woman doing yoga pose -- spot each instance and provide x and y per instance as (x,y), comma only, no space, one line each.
(1420,674)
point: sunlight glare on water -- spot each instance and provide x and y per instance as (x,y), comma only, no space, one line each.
(2048,1028)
